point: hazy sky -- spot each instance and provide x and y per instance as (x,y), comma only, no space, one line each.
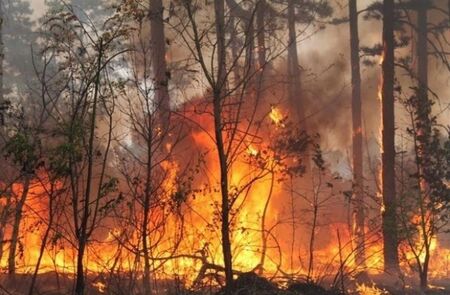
(38,6)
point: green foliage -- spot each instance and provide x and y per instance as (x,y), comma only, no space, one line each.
(312,10)
(293,144)
(433,152)
(70,150)
(23,151)
(109,186)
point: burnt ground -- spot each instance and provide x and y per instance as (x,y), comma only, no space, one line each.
(246,284)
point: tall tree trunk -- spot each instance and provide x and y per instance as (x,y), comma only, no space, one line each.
(234,49)
(260,32)
(358,191)
(16,226)
(250,65)
(293,68)
(422,79)
(159,64)
(218,92)
(261,45)
(2,56)
(247,19)
(390,240)
(261,7)
(423,124)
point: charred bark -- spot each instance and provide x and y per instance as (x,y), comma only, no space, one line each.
(389,224)
(218,93)
(358,191)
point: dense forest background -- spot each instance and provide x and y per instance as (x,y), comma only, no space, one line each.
(229,147)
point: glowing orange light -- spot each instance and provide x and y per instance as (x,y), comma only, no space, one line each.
(276,116)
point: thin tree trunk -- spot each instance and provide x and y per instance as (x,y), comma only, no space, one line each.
(358,191)
(260,32)
(423,129)
(82,232)
(263,226)
(234,49)
(16,226)
(146,204)
(261,45)
(250,65)
(218,91)
(44,243)
(390,240)
(312,239)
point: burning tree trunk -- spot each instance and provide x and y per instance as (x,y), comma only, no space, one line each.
(15,231)
(390,240)
(159,64)
(358,192)
(293,68)
(218,93)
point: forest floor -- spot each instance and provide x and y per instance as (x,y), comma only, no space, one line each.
(247,284)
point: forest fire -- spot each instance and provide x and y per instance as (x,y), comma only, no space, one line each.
(108,252)
(159,147)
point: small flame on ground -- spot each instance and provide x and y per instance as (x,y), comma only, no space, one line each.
(364,289)
(101,287)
